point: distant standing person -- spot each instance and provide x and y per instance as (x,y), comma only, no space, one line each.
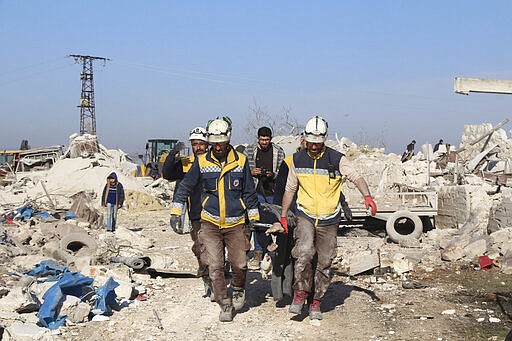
(112,198)
(410,146)
(436,147)
(409,151)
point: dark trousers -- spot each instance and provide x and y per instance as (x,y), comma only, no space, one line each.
(212,240)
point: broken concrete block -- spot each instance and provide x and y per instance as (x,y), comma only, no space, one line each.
(80,263)
(502,238)
(125,290)
(65,228)
(452,253)
(84,208)
(401,266)
(501,215)
(20,300)
(475,249)
(47,229)
(119,271)
(27,262)
(401,263)
(76,310)
(506,264)
(453,207)
(27,331)
(95,271)
(38,239)
(100,318)
(40,288)
(84,224)
(362,261)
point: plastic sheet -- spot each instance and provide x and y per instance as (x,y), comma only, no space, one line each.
(107,297)
(71,283)
(47,268)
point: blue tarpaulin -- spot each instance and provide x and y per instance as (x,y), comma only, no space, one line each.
(70,215)
(47,268)
(26,212)
(107,297)
(45,215)
(71,283)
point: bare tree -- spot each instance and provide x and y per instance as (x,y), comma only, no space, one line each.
(281,124)
(363,138)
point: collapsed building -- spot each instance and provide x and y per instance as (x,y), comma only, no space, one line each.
(451,205)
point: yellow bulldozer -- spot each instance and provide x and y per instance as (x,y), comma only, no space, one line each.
(156,152)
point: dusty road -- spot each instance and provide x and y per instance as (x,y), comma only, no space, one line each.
(459,304)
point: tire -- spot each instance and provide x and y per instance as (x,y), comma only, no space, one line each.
(404,225)
(78,242)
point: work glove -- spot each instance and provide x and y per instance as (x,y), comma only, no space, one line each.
(284,223)
(368,201)
(175,223)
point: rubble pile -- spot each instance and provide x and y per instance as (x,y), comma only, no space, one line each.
(473,217)
(52,219)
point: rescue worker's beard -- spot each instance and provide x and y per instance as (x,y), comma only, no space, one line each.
(314,152)
(222,154)
(199,151)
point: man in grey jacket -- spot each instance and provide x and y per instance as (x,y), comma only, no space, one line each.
(264,159)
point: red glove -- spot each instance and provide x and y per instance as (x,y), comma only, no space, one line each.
(284,223)
(368,201)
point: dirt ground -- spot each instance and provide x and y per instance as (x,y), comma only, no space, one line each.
(458,304)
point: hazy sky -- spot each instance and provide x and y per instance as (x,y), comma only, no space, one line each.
(378,71)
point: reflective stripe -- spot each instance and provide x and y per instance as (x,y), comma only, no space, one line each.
(177,205)
(318,171)
(253,211)
(229,220)
(211,169)
(320,216)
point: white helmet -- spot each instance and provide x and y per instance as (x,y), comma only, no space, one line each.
(219,130)
(316,130)
(198,133)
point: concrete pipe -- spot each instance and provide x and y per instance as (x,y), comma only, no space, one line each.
(78,243)
(404,225)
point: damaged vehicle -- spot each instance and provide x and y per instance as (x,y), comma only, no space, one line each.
(38,158)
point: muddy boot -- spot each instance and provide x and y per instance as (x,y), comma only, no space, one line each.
(208,289)
(314,310)
(238,298)
(254,263)
(226,310)
(299,297)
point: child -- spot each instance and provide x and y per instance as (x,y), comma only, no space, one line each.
(112,198)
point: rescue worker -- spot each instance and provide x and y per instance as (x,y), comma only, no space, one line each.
(227,197)
(264,158)
(174,169)
(316,174)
